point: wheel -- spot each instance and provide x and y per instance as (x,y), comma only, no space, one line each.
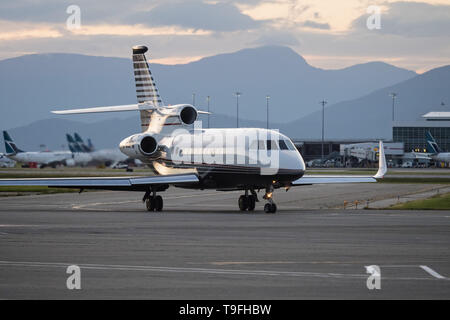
(150,204)
(158,203)
(243,203)
(251,203)
(270,208)
(273,208)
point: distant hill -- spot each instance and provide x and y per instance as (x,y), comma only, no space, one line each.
(371,116)
(365,117)
(32,85)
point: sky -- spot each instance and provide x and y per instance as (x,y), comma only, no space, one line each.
(329,34)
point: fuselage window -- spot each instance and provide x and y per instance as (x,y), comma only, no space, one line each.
(283,145)
(272,145)
(261,145)
(254,145)
(290,145)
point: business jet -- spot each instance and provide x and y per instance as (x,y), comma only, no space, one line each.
(43,158)
(436,153)
(181,153)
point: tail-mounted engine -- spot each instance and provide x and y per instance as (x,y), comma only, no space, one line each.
(179,114)
(140,145)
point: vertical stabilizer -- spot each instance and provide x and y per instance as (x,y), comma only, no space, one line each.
(10,146)
(73,146)
(432,144)
(146,90)
(80,142)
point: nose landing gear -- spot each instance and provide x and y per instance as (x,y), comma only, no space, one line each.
(270,206)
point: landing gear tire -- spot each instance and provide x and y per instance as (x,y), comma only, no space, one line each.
(243,202)
(251,203)
(270,208)
(158,203)
(150,204)
(154,203)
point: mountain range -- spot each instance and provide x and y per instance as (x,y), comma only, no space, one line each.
(358,98)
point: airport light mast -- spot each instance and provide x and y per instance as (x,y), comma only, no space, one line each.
(237,94)
(394,96)
(193,99)
(267,107)
(208,98)
(323,103)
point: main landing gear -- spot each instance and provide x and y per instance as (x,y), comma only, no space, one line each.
(248,202)
(152,201)
(270,206)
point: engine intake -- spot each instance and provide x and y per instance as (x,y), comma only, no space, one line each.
(188,115)
(148,145)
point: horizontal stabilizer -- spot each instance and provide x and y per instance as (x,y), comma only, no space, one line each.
(127,107)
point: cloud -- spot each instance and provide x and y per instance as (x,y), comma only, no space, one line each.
(279,38)
(316,25)
(196,14)
(411,19)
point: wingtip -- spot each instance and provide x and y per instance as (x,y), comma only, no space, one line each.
(382,166)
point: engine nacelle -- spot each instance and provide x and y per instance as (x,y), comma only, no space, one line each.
(184,114)
(188,115)
(139,145)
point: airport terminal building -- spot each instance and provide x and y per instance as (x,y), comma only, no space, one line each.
(407,137)
(412,133)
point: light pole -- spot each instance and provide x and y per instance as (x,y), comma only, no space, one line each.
(207,99)
(237,94)
(267,107)
(394,96)
(193,99)
(323,103)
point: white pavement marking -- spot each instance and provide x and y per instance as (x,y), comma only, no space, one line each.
(199,270)
(184,270)
(432,272)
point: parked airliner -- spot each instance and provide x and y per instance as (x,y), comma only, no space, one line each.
(182,154)
(109,157)
(435,151)
(43,158)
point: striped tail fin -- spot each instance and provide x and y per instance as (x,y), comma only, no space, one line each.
(146,90)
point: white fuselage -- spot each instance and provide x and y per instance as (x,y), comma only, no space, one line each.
(52,157)
(227,152)
(112,155)
(442,157)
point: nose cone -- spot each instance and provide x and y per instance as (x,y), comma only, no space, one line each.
(292,160)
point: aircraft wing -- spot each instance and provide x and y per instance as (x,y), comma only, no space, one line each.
(106,183)
(322,179)
(326,179)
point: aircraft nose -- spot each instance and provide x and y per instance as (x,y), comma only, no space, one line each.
(292,160)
